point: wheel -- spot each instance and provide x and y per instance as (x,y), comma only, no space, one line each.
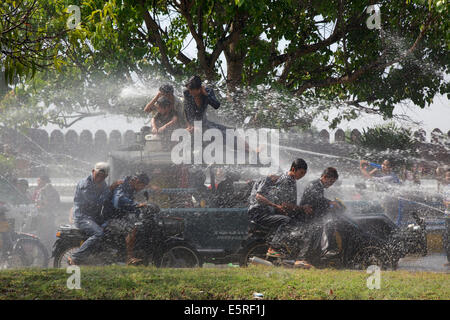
(258,249)
(179,255)
(32,253)
(62,255)
(369,256)
(14,261)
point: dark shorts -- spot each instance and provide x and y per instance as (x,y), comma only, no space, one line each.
(273,221)
(121,226)
(268,218)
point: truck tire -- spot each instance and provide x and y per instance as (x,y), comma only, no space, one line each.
(178,255)
(372,256)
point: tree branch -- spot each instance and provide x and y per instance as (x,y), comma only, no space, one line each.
(337,34)
(154,34)
(376,65)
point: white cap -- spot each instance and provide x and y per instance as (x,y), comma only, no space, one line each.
(102,166)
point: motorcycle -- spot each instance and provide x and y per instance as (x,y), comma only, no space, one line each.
(18,249)
(159,241)
(357,241)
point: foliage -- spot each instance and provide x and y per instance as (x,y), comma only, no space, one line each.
(387,136)
(390,142)
(321,52)
(29,36)
(30,42)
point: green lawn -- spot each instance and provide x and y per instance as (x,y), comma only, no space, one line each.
(117,282)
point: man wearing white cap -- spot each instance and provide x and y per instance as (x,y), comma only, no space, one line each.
(90,195)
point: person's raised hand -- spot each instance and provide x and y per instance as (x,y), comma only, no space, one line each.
(115,184)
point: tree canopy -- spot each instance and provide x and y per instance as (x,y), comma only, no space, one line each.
(281,57)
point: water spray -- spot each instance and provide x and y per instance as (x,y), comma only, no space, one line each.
(422,204)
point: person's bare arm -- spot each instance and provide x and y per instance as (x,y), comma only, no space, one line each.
(154,127)
(364,171)
(260,198)
(151,104)
(168,124)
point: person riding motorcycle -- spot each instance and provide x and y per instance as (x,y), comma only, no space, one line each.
(124,211)
(313,194)
(308,225)
(90,195)
(282,192)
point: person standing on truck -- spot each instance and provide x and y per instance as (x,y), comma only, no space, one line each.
(166,91)
(90,195)
(165,120)
(197,97)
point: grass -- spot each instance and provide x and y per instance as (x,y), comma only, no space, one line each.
(120,282)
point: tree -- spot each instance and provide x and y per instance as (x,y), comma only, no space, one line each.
(29,36)
(318,52)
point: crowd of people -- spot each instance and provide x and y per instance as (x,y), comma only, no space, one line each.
(272,204)
(272,201)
